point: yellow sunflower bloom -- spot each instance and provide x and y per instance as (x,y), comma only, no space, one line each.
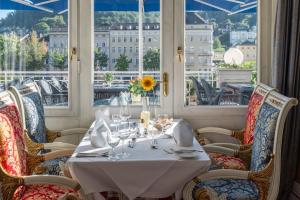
(148,83)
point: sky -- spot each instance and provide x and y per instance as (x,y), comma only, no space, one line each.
(3,13)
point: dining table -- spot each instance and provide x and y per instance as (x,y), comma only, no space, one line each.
(147,172)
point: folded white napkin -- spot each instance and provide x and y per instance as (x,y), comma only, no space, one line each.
(99,134)
(183,134)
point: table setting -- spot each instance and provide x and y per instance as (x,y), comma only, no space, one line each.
(124,159)
(150,157)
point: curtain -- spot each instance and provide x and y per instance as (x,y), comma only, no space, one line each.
(286,78)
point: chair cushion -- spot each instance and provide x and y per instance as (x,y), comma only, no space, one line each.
(254,105)
(264,136)
(12,148)
(52,166)
(229,189)
(45,192)
(226,162)
(34,116)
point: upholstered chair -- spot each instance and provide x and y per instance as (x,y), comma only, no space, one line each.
(240,141)
(262,180)
(33,116)
(16,164)
(38,138)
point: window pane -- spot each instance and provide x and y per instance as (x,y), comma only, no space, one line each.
(220,52)
(117,62)
(34,47)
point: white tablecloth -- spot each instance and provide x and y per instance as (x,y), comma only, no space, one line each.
(147,172)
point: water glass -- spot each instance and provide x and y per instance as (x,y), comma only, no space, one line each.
(113,141)
(124,133)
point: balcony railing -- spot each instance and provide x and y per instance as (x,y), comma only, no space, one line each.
(102,90)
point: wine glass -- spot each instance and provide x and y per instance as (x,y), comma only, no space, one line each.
(113,141)
(124,133)
(125,113)
(116,121)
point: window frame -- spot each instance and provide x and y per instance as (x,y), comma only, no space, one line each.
(72,109)
(210,112)
(81,99)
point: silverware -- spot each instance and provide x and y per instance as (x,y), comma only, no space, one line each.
(82,155)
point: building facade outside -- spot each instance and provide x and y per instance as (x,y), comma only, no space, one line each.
(238,37)
(124,39)
(249,51)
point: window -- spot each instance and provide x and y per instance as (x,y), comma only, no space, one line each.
(113,39)
(109,83)
(25,37)
(103,44)
(113,49)
(215,37)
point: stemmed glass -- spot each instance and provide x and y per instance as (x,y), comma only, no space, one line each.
(125,113)
(123,134)
(116,121)
(113,141)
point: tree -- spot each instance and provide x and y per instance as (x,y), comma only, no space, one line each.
(56,21)
(58,60)
(42,27)
(217,43)
(101,59)
(35,52)
(122,63)
(152,60)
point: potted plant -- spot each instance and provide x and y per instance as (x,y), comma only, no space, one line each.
(230,73)
(139,87)
(108,78)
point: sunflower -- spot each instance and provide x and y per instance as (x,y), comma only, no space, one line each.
(148,83)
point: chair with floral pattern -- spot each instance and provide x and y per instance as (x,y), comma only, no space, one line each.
(240,141)
(16,164)
(263,178)
(38,138)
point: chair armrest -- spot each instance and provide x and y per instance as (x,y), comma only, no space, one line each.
(52,135)
(55,180)
(217,135)
(219,149)
(226,145)
(54,146)
(57,154)
(73,131)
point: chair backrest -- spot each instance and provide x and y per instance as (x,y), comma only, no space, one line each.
(46,88)
(13,154)
(257,98)
(201,96)
(209,91)
(32,110)
(268,136)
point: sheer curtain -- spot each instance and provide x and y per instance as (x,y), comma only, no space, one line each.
(286,78)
